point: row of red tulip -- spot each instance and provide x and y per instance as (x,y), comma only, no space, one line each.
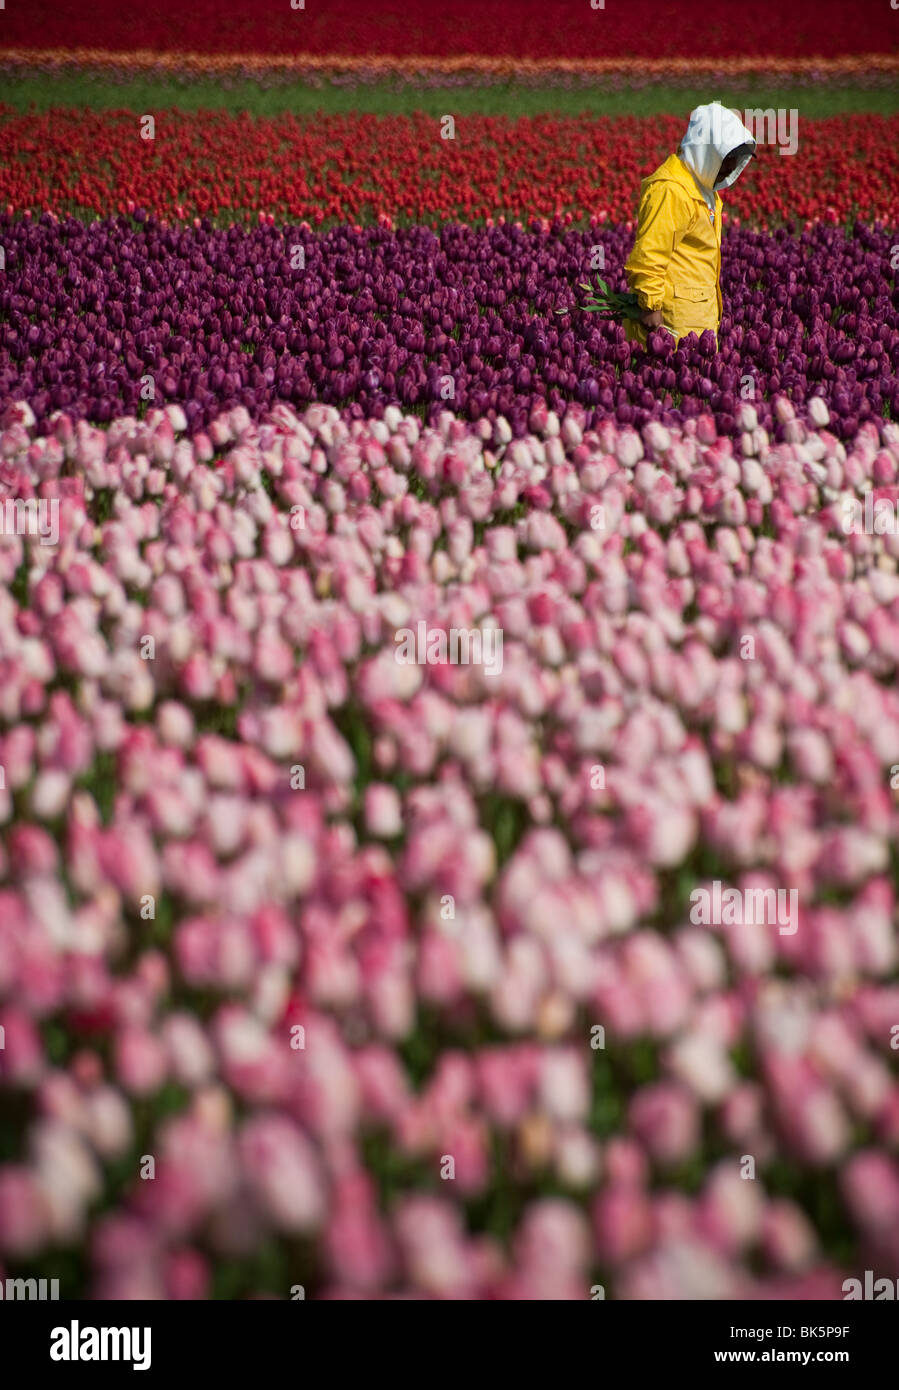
(358,168)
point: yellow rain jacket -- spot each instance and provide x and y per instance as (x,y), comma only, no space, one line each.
(675,265)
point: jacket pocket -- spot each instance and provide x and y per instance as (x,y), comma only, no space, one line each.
(696,295)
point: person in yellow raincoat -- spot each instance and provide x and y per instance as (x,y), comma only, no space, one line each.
(675,266)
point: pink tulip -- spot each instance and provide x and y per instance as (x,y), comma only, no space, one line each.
(23,1216)
(140,1062)
(666,1120)
(284,1173)
(383,811)
(622,1223)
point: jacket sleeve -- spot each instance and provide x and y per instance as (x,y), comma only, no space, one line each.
(665,215)
(719,208)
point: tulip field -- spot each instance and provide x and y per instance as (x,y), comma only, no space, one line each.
(327,974)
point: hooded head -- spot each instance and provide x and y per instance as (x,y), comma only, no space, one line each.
(713,134)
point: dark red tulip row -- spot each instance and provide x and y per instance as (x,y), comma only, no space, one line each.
(520,28)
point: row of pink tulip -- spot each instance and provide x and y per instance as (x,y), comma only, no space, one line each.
(698,682)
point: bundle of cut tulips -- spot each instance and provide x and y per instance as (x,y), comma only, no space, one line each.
(611,304)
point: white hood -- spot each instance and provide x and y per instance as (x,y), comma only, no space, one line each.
(713,132)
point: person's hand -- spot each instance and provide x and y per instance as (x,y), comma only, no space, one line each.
(651,318)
